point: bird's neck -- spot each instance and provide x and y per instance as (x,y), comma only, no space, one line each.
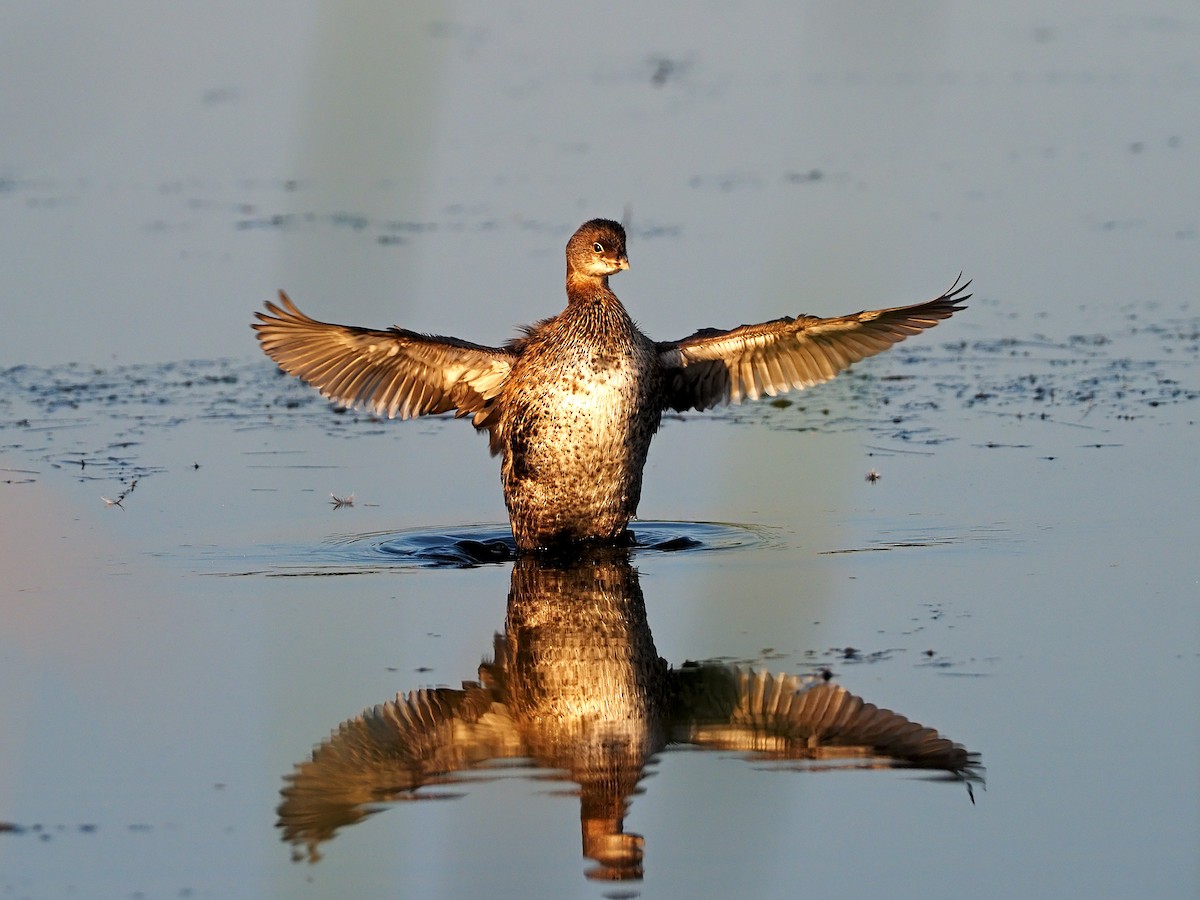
(587,288)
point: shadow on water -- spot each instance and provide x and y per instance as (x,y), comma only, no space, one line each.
(576,686)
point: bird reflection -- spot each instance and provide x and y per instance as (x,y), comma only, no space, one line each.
(577,686)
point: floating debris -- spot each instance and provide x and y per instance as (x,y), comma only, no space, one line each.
(120,501)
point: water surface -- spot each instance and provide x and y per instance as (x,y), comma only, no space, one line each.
(187,612)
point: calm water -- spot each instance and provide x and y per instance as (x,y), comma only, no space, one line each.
(1022,578)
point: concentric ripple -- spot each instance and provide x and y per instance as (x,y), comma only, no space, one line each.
(460,548)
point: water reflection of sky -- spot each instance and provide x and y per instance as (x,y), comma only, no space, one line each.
(1034,525)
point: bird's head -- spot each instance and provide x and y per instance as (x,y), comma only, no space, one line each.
(596,250)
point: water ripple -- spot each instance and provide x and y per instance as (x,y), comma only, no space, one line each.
(459,548)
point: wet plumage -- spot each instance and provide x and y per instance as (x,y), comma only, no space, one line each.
(572,404)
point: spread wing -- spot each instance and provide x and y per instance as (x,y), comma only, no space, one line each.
(387,753)
(712,367)
(392,373)
(786,717)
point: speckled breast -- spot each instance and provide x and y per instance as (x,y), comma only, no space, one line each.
(580,410)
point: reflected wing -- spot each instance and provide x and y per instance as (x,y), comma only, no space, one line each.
(392,373)
(785,717)
(387,751)
(713,367)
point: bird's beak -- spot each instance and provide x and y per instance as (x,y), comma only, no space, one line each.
(622,261)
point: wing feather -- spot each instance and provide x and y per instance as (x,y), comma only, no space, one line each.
(392,372)
(776,380)
(712,367)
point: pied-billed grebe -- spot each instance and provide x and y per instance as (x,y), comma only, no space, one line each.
(572,405)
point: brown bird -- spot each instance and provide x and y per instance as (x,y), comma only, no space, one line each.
(571,405)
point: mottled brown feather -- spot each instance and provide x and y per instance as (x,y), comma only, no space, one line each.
(572,404)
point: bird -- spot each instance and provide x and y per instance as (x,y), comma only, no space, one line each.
(571,404)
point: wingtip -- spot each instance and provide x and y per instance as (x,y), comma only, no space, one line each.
(287,302)
(264,318)
(956,295)
(275,311)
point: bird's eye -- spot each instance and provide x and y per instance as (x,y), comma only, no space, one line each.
(598,247)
